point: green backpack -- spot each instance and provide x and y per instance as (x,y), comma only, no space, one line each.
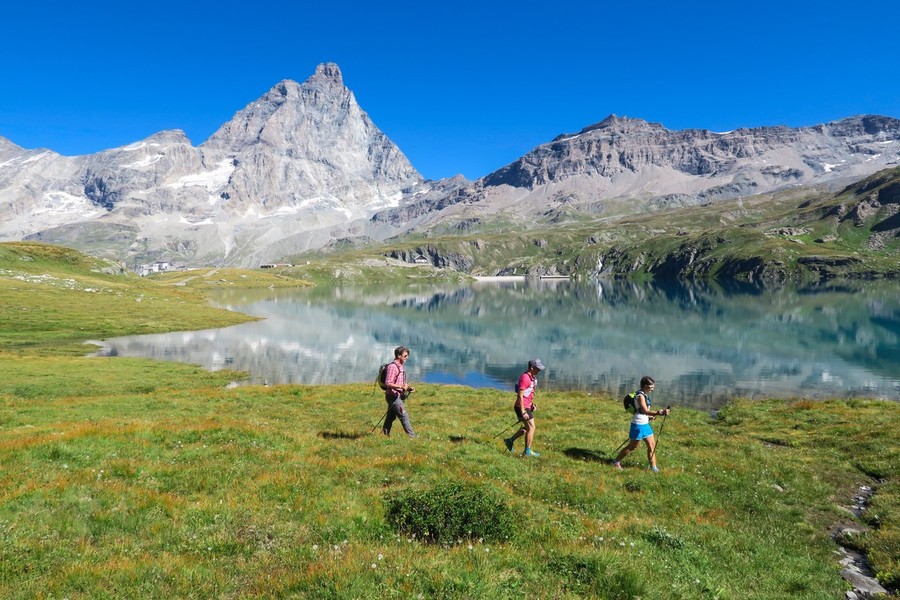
(381,380)
(628,401)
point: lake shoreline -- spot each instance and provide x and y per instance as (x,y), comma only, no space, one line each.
(702,346)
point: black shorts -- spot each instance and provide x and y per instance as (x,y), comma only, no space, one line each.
(521,415)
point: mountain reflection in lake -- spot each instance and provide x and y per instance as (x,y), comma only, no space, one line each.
(702,344)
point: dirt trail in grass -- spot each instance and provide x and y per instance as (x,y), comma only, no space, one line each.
(192,277)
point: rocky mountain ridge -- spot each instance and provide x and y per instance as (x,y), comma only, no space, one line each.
(304,166)
(630,165)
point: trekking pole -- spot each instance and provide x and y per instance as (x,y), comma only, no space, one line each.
(379,421)
(659,437)
(505,430)
(386,413)
(622,445)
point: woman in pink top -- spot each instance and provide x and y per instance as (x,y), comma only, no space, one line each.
(525,407)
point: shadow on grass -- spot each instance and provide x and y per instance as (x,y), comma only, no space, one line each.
(583,454)
(341,435)
(458,439)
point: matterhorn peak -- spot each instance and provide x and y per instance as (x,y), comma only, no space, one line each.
(328,72)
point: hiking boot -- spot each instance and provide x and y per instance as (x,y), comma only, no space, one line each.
(531,453)
(386,432)
(617,465)
(412,435)
(654,469)
(508,443)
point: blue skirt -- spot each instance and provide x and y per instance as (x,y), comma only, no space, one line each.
(639,432)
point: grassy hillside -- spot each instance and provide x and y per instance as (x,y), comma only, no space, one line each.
(160,483)
(53,297)
(801,235)
(127,478)
(781,237)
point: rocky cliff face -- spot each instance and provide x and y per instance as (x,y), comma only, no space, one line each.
(619,147)
(310,146)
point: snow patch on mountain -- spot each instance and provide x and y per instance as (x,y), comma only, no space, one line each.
(212,180)
(62,206)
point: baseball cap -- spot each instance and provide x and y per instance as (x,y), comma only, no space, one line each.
(536,363)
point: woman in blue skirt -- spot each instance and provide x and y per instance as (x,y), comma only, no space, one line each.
(640,425)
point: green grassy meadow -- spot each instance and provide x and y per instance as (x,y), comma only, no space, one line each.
(124,478)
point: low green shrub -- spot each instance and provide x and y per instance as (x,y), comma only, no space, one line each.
(450,512)
(598,577)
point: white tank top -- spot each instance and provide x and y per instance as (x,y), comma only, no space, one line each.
(640,418)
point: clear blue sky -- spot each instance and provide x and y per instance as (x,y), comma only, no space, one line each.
(461,87)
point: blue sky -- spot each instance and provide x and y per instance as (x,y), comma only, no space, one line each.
(460,87)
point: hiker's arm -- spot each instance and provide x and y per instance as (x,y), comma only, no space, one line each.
(642,406)
(391,379)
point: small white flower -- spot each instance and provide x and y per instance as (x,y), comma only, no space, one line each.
(315,546)
(374,566)
(381,557)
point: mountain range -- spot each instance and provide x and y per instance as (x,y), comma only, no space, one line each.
(304,166)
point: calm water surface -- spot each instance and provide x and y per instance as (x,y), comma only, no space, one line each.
(703,345)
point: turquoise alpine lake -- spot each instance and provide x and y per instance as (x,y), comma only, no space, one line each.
(703,344)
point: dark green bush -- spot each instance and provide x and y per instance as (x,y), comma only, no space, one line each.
(450,512)
(596,576)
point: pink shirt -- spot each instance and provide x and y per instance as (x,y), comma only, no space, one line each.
(526,385)
(396,375)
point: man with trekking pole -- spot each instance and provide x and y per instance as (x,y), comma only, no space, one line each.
(524,407)
(396,390)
